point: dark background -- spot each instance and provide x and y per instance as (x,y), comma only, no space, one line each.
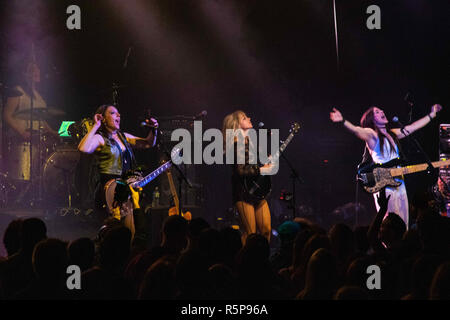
(276,60)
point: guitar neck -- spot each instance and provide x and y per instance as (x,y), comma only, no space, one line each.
(173,191)
(152,175)
(396,172)
(283,146)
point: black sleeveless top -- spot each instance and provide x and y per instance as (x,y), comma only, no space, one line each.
(112,162)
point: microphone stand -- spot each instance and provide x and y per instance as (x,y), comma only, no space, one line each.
(294,176)
(115,95)
(430,168)
(410,111)
(181,177)
(3,123)
(31,85)
(115,86)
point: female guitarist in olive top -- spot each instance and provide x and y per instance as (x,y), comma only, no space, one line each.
(112,149)
(253,213)
(383,145)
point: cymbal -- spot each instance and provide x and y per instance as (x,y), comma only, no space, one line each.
(39,114)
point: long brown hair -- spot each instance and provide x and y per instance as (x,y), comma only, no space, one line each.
(102,110)
(367,121)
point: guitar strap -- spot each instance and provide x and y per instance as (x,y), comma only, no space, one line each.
(367,158)
(128,149)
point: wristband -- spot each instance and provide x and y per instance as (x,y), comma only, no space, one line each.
(431,119)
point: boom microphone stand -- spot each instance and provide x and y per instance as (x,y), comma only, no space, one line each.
(418,146)
(295,177)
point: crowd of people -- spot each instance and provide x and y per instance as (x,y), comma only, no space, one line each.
(196,261)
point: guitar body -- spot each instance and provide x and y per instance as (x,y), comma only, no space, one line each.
(115,195)
(377,176)
(257,187)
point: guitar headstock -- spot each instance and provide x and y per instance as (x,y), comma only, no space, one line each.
(295,127)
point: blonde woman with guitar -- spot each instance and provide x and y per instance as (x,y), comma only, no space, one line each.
(254,213)
(383,145)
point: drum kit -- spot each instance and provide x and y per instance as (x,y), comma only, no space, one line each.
(48,171)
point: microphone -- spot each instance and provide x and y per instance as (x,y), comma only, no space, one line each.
(200,115)
(149,125)
(397,121)
(261,125)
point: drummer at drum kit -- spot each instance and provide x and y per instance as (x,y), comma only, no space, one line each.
(29,136)
(18,105)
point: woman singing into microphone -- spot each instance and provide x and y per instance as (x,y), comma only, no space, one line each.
(254,214)
(113,149)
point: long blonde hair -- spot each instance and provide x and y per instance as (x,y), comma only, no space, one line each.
(231,121)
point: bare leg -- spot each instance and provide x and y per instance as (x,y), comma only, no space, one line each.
(263,222)
(247,215)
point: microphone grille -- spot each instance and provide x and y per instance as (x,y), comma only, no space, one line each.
(395,119)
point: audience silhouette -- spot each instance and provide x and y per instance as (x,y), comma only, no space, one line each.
(195,261)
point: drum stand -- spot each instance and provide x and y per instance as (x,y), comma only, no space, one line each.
(3,176)
(35,183)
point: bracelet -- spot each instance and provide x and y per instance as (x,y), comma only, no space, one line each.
(342,122)
(431,119)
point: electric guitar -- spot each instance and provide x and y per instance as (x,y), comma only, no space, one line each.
(175,210)
(375,177)
(259,187)
(117,193)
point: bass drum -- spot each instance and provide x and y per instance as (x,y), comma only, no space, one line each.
(18,166)
(17,157)
(70,179)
